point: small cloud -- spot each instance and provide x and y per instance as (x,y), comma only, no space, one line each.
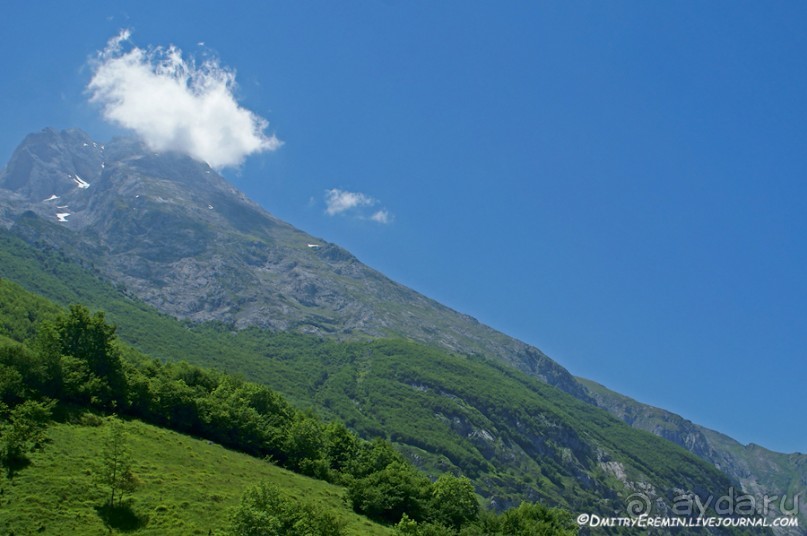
(338,201)
(174,104)
(382,216)
(344,202)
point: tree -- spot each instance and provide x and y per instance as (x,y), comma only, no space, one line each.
(533,519)
(25,374)
(12,388)
(453,501)
(115,470)
(372,457)
(341,446)
(410,527)
(23,431)
(91,361)
(304,446)
(388,494)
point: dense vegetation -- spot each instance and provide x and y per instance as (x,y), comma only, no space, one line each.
(74,358)
(515,437)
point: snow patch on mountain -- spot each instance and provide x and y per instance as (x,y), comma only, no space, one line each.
(81,183)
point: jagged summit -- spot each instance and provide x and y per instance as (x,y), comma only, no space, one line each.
(179,236)
(50,164)
(59,168)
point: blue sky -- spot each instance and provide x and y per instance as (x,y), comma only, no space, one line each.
(621,184)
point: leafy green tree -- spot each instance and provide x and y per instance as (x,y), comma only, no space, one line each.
(115,470)
(264,511)
(12,388)
(341,446)
(90,359)
(533,519)
(372,457)
(228,416)
(388,494)
(41,365)
(24,374)
(410,527)
(79,384)
(488,523)
(173,403)
(453,501)
(22,431)
(304,446)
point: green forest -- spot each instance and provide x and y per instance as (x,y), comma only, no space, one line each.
(67,368)
(512,436)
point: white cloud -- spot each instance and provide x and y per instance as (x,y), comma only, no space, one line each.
(342,202)
(338,201)
(382,216)
(174,104)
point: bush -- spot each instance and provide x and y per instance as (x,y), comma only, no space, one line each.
(264,511)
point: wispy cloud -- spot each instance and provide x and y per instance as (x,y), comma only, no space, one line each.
(338,201)
(382,216)
(344,202)
(174,104)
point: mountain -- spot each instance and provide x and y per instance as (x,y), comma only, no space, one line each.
(515,436)
(759,471)
(170,231)
(181,238)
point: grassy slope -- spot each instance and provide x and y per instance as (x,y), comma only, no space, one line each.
(188,486)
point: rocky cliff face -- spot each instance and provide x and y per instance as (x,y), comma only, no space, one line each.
(761,473)
(178,236)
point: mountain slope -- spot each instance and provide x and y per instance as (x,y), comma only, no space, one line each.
(182,239)
(188,486)
(760,472)
(171,232)
(430,404)
(517,437)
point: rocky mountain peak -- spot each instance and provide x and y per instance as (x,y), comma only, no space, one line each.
(177,235)
(52,163)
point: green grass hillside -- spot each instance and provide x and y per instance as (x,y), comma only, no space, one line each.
(188,486)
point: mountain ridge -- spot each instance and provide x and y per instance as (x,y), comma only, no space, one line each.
(515,436)
(759,471)
(187,242)
(182,238)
